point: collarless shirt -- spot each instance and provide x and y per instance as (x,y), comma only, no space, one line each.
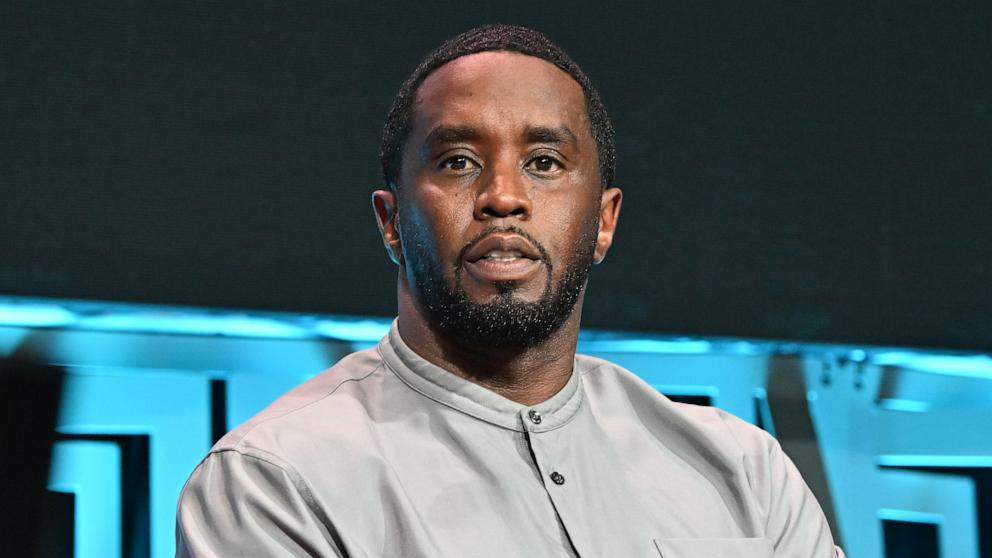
(386,454)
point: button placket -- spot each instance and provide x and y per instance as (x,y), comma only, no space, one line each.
(535,417)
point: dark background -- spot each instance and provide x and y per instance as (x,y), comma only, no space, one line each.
(800,170)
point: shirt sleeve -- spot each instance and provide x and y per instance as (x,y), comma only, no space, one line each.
(794,521)
(243,505)
(796,524)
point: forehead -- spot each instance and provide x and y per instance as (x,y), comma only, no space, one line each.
(498,88)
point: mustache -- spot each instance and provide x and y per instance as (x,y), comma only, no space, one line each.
(511,229)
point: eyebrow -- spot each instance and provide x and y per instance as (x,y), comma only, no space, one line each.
(553,135)
(450,134)
(558,135)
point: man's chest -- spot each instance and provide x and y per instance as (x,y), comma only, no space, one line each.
(473,489)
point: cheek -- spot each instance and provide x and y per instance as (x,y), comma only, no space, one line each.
(572,224)
(435,222)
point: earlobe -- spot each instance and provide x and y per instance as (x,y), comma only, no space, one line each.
(387,217)
(609,214)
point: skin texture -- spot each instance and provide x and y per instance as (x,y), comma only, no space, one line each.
(500,141)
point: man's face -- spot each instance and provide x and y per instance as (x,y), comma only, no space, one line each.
(500,202)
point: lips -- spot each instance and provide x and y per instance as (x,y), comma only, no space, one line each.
(502,247)
(503,257)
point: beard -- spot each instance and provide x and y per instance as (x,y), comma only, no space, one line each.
(506,321)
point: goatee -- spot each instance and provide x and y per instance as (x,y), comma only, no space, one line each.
(506,322)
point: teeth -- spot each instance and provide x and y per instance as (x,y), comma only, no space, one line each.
(502,255)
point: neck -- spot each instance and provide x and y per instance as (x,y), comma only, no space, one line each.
(528,376)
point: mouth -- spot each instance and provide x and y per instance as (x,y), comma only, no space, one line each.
(502,257)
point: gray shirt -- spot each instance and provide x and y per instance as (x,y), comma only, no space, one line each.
(386,454)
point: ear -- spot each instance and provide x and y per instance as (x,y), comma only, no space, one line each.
(609,214)
(386,215)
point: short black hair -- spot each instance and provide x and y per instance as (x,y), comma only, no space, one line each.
(513,38)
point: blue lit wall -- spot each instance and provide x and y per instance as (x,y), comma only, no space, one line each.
(886,438)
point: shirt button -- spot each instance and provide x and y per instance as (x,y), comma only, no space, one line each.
(557,478)
(535,417)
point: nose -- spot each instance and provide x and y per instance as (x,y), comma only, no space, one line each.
(503,193)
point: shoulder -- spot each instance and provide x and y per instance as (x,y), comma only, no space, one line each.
(613,387)
(324,422)
(320,407)
(723,447)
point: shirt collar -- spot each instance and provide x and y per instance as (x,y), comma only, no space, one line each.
(472,399)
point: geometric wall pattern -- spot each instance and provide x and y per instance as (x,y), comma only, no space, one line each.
(879,425)
(896,445)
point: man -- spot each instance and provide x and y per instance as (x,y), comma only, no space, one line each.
(473,429)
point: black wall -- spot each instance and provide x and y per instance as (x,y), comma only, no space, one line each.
(801,170)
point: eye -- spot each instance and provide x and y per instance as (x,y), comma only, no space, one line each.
(544,164)
(458,163)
